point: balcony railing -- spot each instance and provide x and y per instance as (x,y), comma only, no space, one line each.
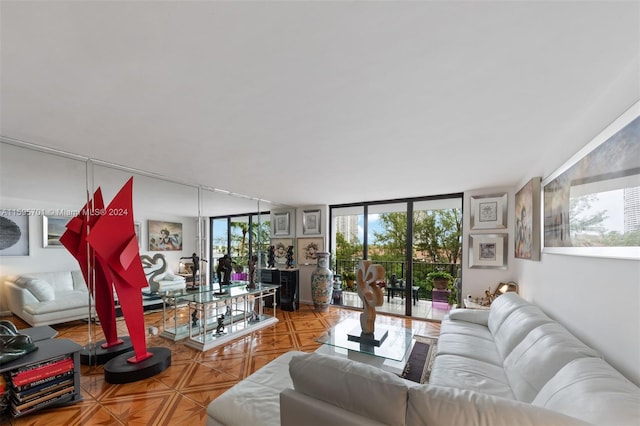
(399,268)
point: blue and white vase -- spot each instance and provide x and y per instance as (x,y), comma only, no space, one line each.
(322,283)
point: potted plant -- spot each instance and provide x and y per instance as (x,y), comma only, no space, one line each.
(440,280)
(349,277)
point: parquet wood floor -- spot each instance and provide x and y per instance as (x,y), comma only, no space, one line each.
(180,394)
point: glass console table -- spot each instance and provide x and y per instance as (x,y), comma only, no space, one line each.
(209,319)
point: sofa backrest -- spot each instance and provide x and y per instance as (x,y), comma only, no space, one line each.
(591,390)
(59,281)
(359,388)
(511,318)
(539,356)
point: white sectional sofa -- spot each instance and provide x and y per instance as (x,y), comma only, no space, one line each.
(510,365)
(44,298)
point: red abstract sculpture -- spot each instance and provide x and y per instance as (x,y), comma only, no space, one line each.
(75,240)
(113,237)
(112,243)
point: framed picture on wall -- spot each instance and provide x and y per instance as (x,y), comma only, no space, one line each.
(52,229)
(281,223)
(527,221)
(489,211)
(488,251)
(14,234)
(164,236)
(311,222)
(281,246)
(308,249)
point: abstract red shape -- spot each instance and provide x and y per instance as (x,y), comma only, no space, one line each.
(75,240)
(113,238)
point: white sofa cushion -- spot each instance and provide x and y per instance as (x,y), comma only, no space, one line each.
(467,373)
(66,300)
(470,347)
(476,316)
(360,388)
(435,406)
(41,289)
(540,356)
(592,390)
(516,326)
(59,280)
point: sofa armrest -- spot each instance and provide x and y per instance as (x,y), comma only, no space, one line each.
(438,405)
(18,297)
(476,316)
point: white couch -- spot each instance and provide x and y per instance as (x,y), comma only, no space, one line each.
(44,298)
(509,365)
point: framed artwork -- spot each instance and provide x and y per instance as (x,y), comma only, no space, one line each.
(592,202)
(308,249)
(281,246)
(137,226)
(52,229)
(311,222)
(527,221)
(14,234)
(281,223)
(489,211)
(164,236)
(488,251)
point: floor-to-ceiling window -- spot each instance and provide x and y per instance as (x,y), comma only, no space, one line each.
(382,232)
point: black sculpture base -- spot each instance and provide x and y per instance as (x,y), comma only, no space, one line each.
(95,354)
(119,371)
(376,338)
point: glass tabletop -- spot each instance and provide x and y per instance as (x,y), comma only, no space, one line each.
(394,346)
(236,289)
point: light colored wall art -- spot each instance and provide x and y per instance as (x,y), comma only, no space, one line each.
(311,222)
(489,211)
(308,249)
(527,221)
(281,246)
(591,204)
(52,229)
(14,233)
(281,223)
(488,251)
(164,236)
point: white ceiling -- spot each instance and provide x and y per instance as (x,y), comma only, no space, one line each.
(320,102)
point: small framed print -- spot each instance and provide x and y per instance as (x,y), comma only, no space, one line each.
(489,211)
(281,223)
(311,222)
(52,230)
(488,251)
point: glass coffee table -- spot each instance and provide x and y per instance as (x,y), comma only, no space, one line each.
(391,355)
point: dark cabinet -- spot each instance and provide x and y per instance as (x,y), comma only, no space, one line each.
(288,295)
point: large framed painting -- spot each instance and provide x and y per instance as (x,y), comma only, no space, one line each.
(14,234)
(591,204)
(488,251)
(489,211)
(308,249)
(52,229)
(164,236)
(527,221)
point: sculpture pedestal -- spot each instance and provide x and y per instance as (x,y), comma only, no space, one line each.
(376,338)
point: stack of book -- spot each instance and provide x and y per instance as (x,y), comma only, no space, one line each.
(41,384)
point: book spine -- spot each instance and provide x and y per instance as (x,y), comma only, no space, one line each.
(39,364)
(17,413)
(43,372)
(36,383)
(43,399)
(27,396)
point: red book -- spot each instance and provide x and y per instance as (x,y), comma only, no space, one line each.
(43,372)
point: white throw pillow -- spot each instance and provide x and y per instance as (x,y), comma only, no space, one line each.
(41,289)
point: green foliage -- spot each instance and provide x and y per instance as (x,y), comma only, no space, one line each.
(348,276)
(453,291)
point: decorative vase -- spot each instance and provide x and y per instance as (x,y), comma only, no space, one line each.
(322,283)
